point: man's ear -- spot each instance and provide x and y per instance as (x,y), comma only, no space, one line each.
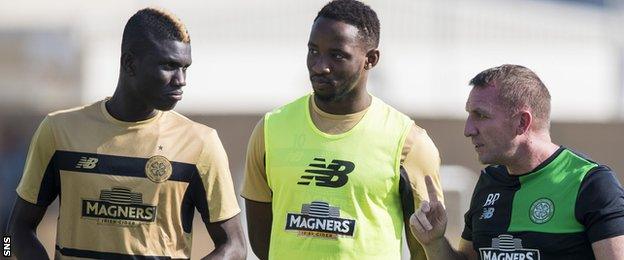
(372,58)
(525,120)
(128,63)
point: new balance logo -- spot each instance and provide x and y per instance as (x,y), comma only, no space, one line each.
(86,163)
(328,175)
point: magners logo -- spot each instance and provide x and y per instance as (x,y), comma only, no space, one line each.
(508,247)
(319,219)
(119,206)
(332,175)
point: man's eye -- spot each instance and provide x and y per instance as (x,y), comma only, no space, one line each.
(170,66)
(338,56)
(312,51)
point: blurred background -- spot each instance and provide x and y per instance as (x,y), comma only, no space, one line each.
(249,57)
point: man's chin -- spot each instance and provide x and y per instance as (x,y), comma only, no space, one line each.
(484,160)
(166,107)
(325,97)
(490,160)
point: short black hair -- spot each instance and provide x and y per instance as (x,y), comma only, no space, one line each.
(518,87)
(150,24)
(354,13)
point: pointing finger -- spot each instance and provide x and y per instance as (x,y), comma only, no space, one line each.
(431,190)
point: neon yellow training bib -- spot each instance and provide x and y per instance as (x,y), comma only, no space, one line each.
(335,196)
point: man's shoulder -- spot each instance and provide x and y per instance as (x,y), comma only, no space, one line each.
(289,105)
(184,123)
(581,164)
(602,172)
(387,106)
(495,175)
(578,155)
(393,117)
(74,115)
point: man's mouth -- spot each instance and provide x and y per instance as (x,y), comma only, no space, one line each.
(175,95)
(321,81)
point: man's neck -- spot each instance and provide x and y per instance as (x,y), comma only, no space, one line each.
(349,104)
(530,155)
(123,107)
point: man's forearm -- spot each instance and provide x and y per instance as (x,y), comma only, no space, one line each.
(27,245)
(23,223)
(259,227)
(228,239)
(260,244)
(228,250)
(441,250)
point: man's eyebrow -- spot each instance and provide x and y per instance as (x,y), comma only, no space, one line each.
(479,110)
(337,50)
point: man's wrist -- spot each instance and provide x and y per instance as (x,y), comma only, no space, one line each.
(436,243)
(437,247)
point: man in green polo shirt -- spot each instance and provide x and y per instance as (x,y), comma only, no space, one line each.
(536,200)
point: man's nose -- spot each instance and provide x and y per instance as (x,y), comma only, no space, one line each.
(320,66)
(179,77)
(469,128)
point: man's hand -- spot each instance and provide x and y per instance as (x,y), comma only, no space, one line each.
(25,219)
(428,223)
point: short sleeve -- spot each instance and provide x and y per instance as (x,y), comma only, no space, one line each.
(467,232)
(600,205)
(422,159)
(419,158)
(39,184)
(216,180)
(255,184)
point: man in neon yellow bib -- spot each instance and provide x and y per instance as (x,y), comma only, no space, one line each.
(334,174)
